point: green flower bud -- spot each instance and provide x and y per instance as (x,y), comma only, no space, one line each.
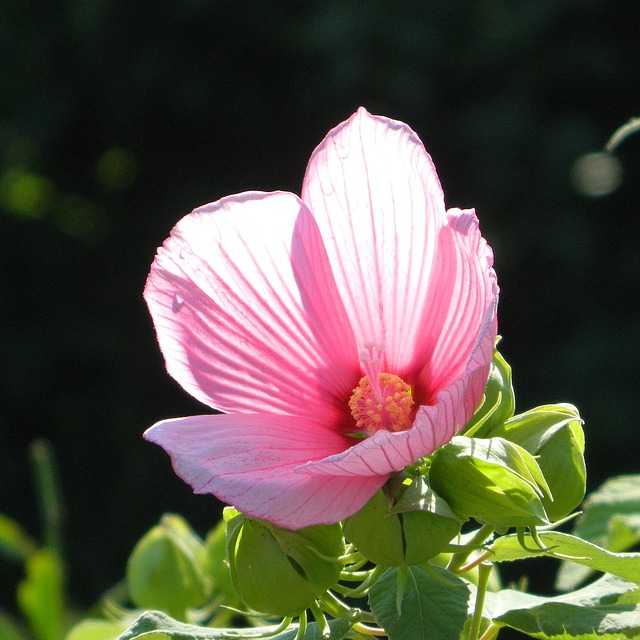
(278,571)
(498,402)
(491,480)
(217,568)
(407,533)
(166,569)
(553,433)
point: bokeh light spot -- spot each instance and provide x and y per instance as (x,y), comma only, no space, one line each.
(81,219)
(116,169)
(597,174)
(25,194)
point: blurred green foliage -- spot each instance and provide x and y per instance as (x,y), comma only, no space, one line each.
(118,117)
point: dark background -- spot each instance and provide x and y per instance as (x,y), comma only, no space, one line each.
(118,117)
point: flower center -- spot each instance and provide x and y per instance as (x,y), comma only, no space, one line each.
(381,400)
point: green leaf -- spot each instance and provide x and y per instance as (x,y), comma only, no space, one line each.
(559,621)
(608,608)
(492,480)
(14,542)
(610,519)
(413,604)
(608,589)
(40,594)
(624,565)
(157,625)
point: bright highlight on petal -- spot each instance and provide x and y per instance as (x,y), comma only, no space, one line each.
(345,334)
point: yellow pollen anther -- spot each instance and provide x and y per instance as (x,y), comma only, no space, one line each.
(386,405)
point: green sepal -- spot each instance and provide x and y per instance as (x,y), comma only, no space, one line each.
(492,480)
(498,401)
(414,529)
(278,571)
(553,433)
(166,569)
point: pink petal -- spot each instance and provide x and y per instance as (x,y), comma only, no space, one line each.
(374,191)
(246,310)
(461,305)
(251,461)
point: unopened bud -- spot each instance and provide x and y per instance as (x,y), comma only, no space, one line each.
(278,571)
(166,569)
(390,536)
(491,480)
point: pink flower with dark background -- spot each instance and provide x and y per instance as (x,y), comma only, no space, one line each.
(344,333)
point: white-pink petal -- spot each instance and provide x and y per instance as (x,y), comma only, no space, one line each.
(247,313)
(250,461)
(374,191)
(386,452)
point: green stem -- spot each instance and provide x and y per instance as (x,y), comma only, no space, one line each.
(369,631)
(363,589)
(354,576)
(302,626)
(492,632)
(353,562)
(367,618)
(475,562)
(338,609)
(631,127)
(321,621)
(222,618)
(48,489)
(484,571)
(458,560)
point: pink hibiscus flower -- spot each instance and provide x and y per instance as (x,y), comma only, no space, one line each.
(344,334)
